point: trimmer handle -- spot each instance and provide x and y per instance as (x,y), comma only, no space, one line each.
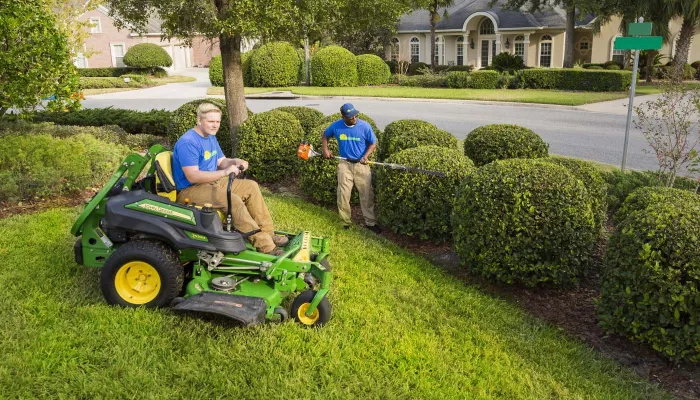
(229,217)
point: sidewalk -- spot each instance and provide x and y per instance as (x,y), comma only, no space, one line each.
(618,106)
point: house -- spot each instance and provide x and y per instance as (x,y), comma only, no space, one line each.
(107,45)
(474,32)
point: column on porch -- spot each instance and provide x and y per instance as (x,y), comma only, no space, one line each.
(526,47)
(465,48)
(498,44)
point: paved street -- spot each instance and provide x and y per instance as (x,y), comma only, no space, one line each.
(592,135)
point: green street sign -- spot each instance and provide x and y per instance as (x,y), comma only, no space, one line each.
(639,29)
(638,43)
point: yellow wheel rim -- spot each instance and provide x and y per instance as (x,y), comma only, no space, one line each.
(137,282)
(301,314)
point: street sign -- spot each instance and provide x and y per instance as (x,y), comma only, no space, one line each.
(638,43)
(639,29)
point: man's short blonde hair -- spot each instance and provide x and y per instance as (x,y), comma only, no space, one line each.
(206,108)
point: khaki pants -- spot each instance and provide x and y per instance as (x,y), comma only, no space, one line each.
(361,176)
(248,207)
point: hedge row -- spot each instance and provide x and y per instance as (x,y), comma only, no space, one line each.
(37,164)
(576,79)
(154,122)
(105,83)
(117,72)
(456,79)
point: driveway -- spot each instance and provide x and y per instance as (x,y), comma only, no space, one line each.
(594,133)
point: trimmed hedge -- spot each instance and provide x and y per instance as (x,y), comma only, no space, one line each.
(483,80)
(268,141)
(40,165)
(409,133)
(502,141)
(107,133)
(275,64)
(334,66)
(372,70)
(117,72)
(154,122)
(246,64)
(105,83)
(524,221)
(147,55)
(428,81)
(457,79)
(593,182)
(507,62)
(643,197)
(185,118)
(418,204)
(651,277)
(577,79)
(216,71)
(307,116)
(416,68)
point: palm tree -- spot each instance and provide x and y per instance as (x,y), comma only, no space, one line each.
(689,10)
(433,7)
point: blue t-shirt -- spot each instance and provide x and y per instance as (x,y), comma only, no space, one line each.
(192,149)
(352,140)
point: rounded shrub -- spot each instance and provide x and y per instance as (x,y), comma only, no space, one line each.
(502,141)
(651,279)
(334,66)
(307,116)
(419,204)
(408,133)
(185,118)
(147,55)
(275,64)
(319,176)
(216,72)
(372,70)
(613,67)
(268,141)
(524,221)
(594,183)
(417,68)
(507,62)
(639,199)
(245,65)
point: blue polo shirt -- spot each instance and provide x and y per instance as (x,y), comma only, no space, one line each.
(192,149)
(352,140)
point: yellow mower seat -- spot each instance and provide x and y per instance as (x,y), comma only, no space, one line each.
(165,184)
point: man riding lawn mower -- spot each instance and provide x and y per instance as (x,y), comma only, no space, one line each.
(155,252)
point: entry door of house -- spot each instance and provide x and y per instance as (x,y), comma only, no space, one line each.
(488,52)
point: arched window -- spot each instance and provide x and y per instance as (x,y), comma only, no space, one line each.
(395,49)
(519,46)
(487,27)
(415,49)
(439,49)
(460,50)
(546,51)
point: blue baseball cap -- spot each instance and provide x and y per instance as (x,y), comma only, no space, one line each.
(348,110)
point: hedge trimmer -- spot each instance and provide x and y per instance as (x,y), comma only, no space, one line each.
(306,151)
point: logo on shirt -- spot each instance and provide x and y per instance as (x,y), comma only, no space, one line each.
(345,137)
(208,155)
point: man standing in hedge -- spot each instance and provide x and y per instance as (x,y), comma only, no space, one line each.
(356,141)
(201,172)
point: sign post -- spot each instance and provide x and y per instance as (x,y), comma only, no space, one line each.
(640,40)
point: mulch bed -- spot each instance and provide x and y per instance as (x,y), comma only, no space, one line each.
(571,310)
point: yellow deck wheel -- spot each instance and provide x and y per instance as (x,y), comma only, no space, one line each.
(137,282)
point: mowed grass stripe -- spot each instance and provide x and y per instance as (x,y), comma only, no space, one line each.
(401,329)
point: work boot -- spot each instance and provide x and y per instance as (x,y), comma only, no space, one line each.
(276,252)
(374,228)
(280,241)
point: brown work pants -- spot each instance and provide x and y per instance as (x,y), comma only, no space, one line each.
(360,175)
(248,207)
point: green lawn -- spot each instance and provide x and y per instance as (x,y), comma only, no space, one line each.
(517,95)
(400,329)
(155,82)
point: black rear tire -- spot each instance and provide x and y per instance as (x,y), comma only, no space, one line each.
(319,317)
(142,274)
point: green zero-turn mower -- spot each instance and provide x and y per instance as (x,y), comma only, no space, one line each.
(155,252)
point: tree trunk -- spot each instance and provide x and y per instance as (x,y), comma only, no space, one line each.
(307,62)
(682,50)
(651,54)
(570,37)
(434,17)
(230,47)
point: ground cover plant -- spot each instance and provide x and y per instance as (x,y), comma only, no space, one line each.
(401,329)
